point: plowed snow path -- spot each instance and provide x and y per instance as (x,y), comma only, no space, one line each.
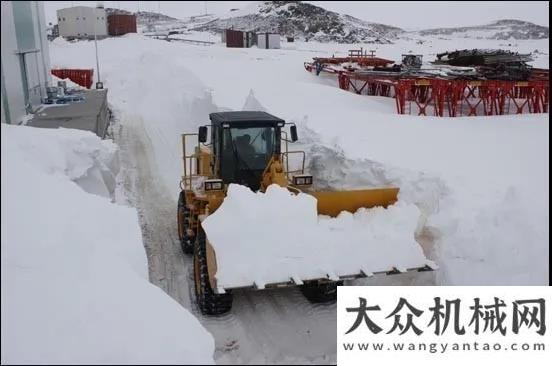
(272,326)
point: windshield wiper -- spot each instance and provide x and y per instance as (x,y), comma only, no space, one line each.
(255,139)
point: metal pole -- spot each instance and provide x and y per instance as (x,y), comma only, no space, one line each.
(96,46)
(25,83)
(42,30)
(38,75)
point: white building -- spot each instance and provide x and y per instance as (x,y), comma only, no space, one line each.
(82,22)
(268,40)
(25,59)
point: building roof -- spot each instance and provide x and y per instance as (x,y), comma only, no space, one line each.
(244,116)
(79,7)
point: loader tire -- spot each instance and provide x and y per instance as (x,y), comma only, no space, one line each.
(208,302)
(182,218)
(321,292)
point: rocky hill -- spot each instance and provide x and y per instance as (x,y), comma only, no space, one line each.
(502,29)
(312,23)
(143,17)
(147,16)
(304,21)
(148,21)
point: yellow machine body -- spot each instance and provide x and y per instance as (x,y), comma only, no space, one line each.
(331,203)
(201,164)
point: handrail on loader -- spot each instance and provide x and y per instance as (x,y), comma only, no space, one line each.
(187,178)
(285,156)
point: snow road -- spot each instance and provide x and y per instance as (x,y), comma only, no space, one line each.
(270,326)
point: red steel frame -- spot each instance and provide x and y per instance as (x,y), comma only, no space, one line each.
(453,98)
(83,77)
(360,60)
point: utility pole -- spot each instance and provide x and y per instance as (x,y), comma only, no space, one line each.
(206,14)
(99,84)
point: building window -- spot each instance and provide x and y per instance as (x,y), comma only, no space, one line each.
(85,34)
(63,18)
(97,18)
(83,18)
(77,18)
(59,19)
(102,18)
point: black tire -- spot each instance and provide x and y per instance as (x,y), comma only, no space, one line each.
(182,218)
(321,292)
(208,302)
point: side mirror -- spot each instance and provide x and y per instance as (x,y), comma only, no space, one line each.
(202,134)
(293,130)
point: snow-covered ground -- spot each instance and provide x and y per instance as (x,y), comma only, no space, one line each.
(75,284)
(481,183)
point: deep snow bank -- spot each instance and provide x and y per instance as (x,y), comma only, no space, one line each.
(148,83)
(270,237)
(80,156)
(74,273)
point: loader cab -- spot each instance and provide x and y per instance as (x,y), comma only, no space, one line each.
(243,143)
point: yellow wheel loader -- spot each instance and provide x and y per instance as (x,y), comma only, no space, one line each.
(251,148)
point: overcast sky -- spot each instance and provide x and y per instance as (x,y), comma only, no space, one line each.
(404,14)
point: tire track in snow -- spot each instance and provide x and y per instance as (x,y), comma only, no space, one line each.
(148,194)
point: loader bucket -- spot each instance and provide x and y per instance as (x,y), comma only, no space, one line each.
(331,203)
(378,250)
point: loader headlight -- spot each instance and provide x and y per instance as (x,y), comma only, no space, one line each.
(213,185)
(302,180)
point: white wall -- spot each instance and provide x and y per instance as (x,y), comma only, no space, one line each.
(79,21)
(23,29)
(13,103)
(38,63)
(41,32)
(273,40)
